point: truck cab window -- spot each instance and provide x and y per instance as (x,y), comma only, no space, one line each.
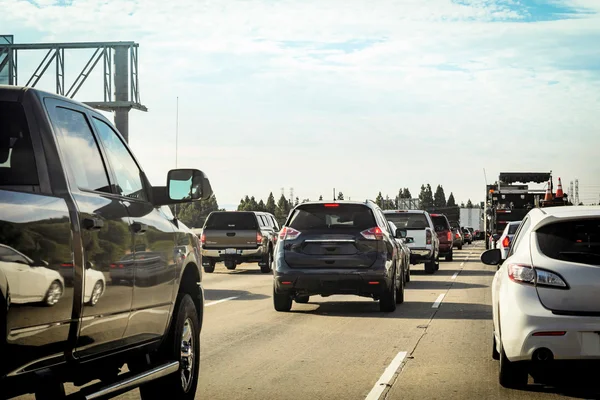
(17,162)
(80,149)
(127,173)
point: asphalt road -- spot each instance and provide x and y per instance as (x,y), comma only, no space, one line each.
(435,345)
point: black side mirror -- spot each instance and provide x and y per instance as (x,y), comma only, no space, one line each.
(401,233)
(491,257)
(495,236)
(188,185)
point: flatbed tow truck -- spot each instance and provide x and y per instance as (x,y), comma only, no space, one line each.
(511,198)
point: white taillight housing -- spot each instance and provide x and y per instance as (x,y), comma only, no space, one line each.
(540,277)
(373,234)
(288,233)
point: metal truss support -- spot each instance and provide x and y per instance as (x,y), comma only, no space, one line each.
(120,72)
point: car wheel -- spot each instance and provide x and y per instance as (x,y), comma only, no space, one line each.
(449,256)
(230,265)
(53,294)
(282,301)
(400,290)
(302,299)
(436,263)
(387,303)
(495,354)
(50,390)
(460,246)
(183,344)
(407,274)
(265,269)
(96,293)
(512,375)
(429,267)
(209,269)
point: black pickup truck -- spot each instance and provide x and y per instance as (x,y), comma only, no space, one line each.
(95,272)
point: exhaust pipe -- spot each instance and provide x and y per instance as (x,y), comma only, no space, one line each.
(542,355)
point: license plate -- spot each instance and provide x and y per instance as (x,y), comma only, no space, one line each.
(230,251)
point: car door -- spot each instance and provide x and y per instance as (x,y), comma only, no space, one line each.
(105,234)
(155,259)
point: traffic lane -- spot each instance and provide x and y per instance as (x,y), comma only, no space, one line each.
(453,359)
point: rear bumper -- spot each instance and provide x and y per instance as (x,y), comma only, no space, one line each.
(420,254)
(445,248)
(241,255)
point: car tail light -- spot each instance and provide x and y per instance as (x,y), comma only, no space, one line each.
(457,236)
(373,234)
(116,265)
(203,238)
(526,274)
(66,265)
(288,233)
(550,333)
(506,242)
(259,237)
(428,237)
(449,236)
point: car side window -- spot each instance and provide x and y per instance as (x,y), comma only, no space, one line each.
(274,222)
(127,172)
(519,235)
(80,150)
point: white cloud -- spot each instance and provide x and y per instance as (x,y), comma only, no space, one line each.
(436,86)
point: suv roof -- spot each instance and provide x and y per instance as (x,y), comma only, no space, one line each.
(405,211)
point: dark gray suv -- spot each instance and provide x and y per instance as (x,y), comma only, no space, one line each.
(337,248)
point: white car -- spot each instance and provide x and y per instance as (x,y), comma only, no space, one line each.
(95,285)
(545,295)
(506,238)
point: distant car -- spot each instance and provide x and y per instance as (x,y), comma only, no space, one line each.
(444,234)
(471,231)
(457,236)
(545,294)
(337,248)
(404,252)
(506,238)
(425,247)
(467,236)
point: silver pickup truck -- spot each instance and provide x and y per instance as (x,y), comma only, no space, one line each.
(425,247)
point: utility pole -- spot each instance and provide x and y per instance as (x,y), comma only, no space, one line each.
(576,192)
(176,138)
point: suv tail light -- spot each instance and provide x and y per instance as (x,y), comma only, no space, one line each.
(526,274)
(428,237)
(373,234)
(203,238)
(259,237)
(288,233)
(449,236)
(506,242)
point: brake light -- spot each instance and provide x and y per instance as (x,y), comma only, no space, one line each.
(203,238)
(506,242)
(67,265)
(259,237)
(331,205)
(288,233)
(457,236)
(449,236)
(116,265)
(373,234)
(539,277)
(428,237)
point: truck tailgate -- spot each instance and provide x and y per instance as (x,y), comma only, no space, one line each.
(419,236)
(222,239)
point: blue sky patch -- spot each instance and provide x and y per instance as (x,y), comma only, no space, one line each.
(528,10)
(346,47)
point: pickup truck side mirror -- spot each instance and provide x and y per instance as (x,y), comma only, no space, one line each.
(401,233)
(185,185)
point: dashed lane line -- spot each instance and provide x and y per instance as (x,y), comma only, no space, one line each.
(212,303)
(386,377)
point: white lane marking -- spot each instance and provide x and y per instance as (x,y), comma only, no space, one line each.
(212,303)
(455,275)
(386,377)
(438,301)
(462,264)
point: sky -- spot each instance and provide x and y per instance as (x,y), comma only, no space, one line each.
(360,96)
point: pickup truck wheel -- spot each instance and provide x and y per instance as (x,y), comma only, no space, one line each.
(460,246)
(400,290)
(230,265)
(429,267)
(302,299)
(209,269)
(96,293)
(282,301)
(50,390)
(183,345)
(265,269)
(387,303)
(449,256)
(53,294)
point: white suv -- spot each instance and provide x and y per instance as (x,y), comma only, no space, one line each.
(545,294)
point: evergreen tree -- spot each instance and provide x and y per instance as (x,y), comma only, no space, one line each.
(451,202)
(340,196)
(194,214)
(379,200)
(425,197)
(261,206)
(462,204)
(271,206)
(297,201)
(439,199)
(282,210)
(469,204)
(406,194)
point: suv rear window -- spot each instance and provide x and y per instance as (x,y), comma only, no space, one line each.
(232,220)
(575,241)
(440,223)
(17,162)
(341,216)
(408,220)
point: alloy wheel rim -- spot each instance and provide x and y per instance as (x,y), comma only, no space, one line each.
(187,355)
(96,293)
(54,294)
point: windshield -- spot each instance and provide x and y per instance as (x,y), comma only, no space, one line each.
(408,220)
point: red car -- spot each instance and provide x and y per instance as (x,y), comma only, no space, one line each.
(444,232)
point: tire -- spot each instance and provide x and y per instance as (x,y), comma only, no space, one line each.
(50,390)
(387,303)
(511,375)
(96,293)
(407,274)
(400,290)
(230,265)
(429,267)
(460,246)
(265,269)
(436,262)
(449,256)
(302,299)
(184,337)
(495,354)
(53,294)
(209,269)
(282,301)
